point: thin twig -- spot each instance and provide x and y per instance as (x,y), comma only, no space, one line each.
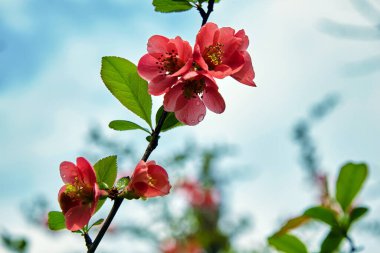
(151,146)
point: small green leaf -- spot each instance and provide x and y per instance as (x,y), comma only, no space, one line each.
(287,243)
(349,183)
(357,213)
(171,5)
(170,121)
(97,223)
(332,241)
(56,220)
(106,170)
(122,183)
(122,125)
(323,214)
(121,78)
(292,224)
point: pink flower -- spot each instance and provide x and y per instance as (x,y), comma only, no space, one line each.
(223,53)
(165,61)
(176,246)
(149,180)
(191,95)
(201,197)
(80,194)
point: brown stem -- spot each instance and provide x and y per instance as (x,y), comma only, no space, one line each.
(151,146)
(206,15)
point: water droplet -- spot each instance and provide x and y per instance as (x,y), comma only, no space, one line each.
(201,117)
(198,103)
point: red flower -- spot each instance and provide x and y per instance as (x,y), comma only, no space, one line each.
(190,97)
(165,61)
(201,197)
(149,180)
(223,53)
(80,194)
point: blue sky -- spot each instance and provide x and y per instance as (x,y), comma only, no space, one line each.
(51,92)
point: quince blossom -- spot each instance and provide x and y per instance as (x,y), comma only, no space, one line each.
(189,98)
(222,52)
(80,194)
(166,60)
(149,180)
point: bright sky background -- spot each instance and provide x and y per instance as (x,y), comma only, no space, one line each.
(51,93)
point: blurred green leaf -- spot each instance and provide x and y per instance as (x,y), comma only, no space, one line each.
(292,224)
(122,125)
(349,183)
(323,214)
(14,244)
(357,213)
(121,78)
(122,183)
(97,223)
(171,5)
(287,243)
(170,121)
(332,241)
(56,220)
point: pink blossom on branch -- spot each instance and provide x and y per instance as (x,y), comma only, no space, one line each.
(149,180)
(189,98)
(222,52)
(165,61)
(80,194)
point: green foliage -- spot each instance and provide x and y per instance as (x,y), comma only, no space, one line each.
(287,243)
(323,214)
(56,220)
(121,78)
(349,183)
(106,172)
(292,224)
(171,5)
(122,125)
(170,121)
(122,183)
(332,241)
(357,213)
(14,244)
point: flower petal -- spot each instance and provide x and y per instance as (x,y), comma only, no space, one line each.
(174,99)
(192,113)
(160,84)
(69,172)
(87,171)
(246,74)
(213,100)
(77,217)
(157,44)
(147,67)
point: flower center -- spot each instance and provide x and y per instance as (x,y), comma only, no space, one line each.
(151,181)
(169,63)
(79,191)
(193,87)
(213,55)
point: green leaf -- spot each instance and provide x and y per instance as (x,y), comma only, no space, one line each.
(122,183)
(170,121)
(14,244)
(121,78)
(287,243)
(122,125)
(292,224)
(323,214)
(106,170)
(97,223)
(171,5)
(56,220)
(332,241)
(349,183)
(357,213)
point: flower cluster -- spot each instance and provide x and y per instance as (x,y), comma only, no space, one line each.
(201,197)
(186,76)
(79,196)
